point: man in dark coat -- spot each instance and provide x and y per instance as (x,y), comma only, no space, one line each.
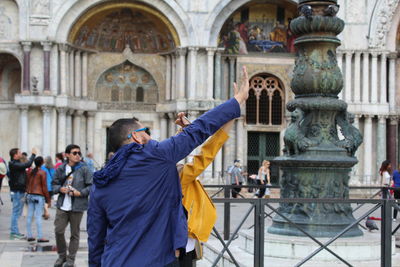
(135,215)
(17,183)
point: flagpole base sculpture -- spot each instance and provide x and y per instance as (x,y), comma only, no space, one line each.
(316,162)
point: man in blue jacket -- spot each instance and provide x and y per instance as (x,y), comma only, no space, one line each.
(135,215)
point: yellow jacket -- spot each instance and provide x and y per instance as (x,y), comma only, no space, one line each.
(201,210)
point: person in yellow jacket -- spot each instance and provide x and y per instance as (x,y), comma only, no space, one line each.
(202,213)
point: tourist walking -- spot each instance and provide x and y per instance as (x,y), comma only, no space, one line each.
(50,170)
(264,177)
(17,183)
(396,184)
(59,160)
(237,179)
(72,182)
(385,173)
(90,162)
(37,195)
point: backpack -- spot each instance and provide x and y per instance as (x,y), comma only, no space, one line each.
(3,168)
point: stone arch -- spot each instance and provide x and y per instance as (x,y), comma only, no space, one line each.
(114,83)
(73,9)
(382,23)
(222,11)
(10,76)
(391,40)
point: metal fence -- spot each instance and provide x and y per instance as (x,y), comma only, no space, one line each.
(380,199)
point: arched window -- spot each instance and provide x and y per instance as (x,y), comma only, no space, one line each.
(265,103)
(139,94)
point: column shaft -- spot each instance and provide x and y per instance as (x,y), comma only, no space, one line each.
(339,57)
(163,127)
(26,77)
(54,65)
(192,92)
(63,70)
(71,74)
(69,127)
(210,73)
(24,128)
(374,78)
(357,77)
(46,67)
(383,82)
(168,77)
(392,144)
(90,131)
(368,149)
(217,77)
(180,78)
(392,81)
(239,139)
(173,76)
(78,75)
(381,143)
(46,130)
(62,128)
(349,78)
(85,75)
(232,61)
(365,85)
(77,127)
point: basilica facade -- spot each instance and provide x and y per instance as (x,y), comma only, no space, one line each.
(69,68)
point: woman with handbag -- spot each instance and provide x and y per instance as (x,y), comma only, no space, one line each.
(36,187)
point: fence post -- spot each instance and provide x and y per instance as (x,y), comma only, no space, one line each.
(386,233)
(259,233)
(227,215)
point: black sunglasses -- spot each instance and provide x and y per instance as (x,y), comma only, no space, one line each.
(76,153)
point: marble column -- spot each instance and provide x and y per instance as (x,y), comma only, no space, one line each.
(71,74)
(163,126)
(392,142)
(180,73)
(83,136)
(192,92)
(26,73)
(210,72)
(46,133)
(62,129)
(172,125)
(383,82)
(357,170)
(90,131)
(69,127)
(78,75)
(217,75)
(218,167)
(368,149)
(232,61)
(46,67)
(24,128)
(85,75)
(54,65)
(357,77)
(239,138)
(168,70)
(77,127)
(374,77)
(349,77)
(392,81)
(63,69)
(339,58)
(173,76)
(381,141)
(365,82)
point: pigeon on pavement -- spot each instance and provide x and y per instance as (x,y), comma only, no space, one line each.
(371,225)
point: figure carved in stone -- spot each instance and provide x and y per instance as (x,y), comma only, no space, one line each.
(294,138)
(35,82)
(352,136)
(5,25)
(40,7)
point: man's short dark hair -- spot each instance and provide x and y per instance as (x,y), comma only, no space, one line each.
(119,131)
(70,147)
(13,152)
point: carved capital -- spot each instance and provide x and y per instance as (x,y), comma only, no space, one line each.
(374,54)
(180,51)
(392,55)
(62,110)
(394,120)
(46,109)
(211,51)
(64,47)
(91,113)
(26,46)
(46,45)
(23,107)
(70,112)
(193,48)
(78,112)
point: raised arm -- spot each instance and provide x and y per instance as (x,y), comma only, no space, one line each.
(207,154)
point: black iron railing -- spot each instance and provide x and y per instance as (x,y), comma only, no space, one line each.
(379,200)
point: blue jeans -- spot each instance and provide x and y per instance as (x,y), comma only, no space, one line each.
(17,199)
(35,207)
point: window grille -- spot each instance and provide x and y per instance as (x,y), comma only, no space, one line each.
(266,101)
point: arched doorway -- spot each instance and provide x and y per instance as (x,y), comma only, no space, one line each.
(10,77)
(265,113)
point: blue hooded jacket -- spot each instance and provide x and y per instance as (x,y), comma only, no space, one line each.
(135,215)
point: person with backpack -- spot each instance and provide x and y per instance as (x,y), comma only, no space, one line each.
(17,183)
(48,167)
(37,194)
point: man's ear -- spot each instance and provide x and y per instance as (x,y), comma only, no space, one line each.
(137,138)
